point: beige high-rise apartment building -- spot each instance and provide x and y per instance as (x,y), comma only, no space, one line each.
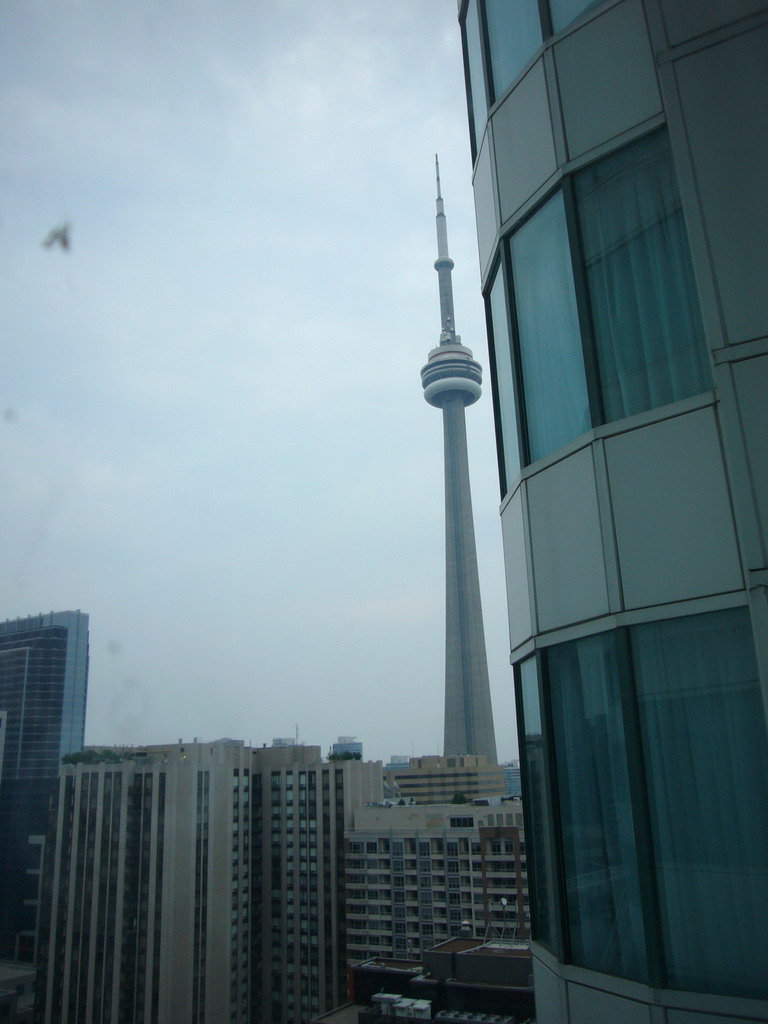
(180,876)
(306,804)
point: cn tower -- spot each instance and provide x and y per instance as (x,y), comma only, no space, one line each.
(451,380)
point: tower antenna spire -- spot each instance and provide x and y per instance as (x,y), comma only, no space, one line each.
(444,266)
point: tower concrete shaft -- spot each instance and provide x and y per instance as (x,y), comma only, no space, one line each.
(451,380)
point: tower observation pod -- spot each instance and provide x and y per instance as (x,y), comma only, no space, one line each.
(451,381)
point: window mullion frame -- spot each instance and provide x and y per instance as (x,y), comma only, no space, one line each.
(583,305)
(473,142)
(514,344)
(545,17)
(521,414)
(641,813)
(492,369)
(564,926)
(562,943)
(503,268)
(485,57)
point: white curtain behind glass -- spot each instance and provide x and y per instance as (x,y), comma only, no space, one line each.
(704,738)
(648,331)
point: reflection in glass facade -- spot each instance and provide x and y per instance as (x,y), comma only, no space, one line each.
(598,834)
(514,35)
(539,828)
(551,361)
(507,404)
(661,758)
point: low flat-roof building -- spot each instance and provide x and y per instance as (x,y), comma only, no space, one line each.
(435,779)
(464,981)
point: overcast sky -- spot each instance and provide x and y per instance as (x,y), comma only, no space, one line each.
(212,431)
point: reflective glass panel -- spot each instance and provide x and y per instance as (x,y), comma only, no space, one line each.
(704,738)
(648,332)
(601,873)
(554,383)
(539,819)
(514,35)
(565,11)
(505,382)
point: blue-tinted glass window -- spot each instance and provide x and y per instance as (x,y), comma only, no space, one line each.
(636,288)
(502,347)
(704,740)
(648,332)
(479,102)
(514,35)
(552,364)
(539,817)
(598,837)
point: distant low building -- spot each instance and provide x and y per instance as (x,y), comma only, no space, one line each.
(460,981)
(349,746)
(436,779)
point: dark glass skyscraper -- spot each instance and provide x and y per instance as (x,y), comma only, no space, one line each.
(43,684)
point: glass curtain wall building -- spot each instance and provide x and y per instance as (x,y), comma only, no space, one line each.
(43,687)
(619,172)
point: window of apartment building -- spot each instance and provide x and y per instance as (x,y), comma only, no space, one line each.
(673,777)
(462,822)
(593,311)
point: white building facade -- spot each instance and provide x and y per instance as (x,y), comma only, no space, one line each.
(619,172)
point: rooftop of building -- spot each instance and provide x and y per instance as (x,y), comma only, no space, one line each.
(346,1014)
(482,947)
(12,972)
